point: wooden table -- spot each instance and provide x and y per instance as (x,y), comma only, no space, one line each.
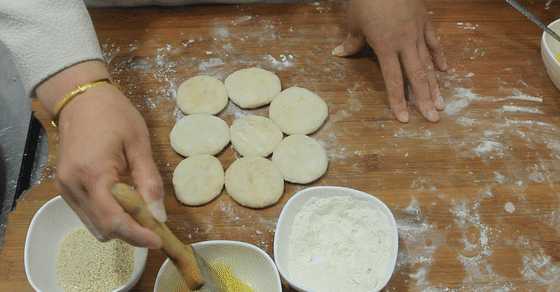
(476,196)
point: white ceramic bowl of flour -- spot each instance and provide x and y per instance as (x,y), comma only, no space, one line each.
(52,222)
(336,239)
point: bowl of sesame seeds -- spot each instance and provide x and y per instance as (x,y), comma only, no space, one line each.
(61,255)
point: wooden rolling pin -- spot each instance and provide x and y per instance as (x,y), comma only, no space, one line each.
(194,269)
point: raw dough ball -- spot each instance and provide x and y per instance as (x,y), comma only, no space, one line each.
(199,134)
(297,110)
(202,95)
(198,180)
(252,87)
(255,136)
(254,182)
(301,159)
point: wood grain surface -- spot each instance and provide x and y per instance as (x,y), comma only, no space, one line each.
(476,195)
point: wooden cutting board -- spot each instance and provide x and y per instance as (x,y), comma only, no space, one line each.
(476,195)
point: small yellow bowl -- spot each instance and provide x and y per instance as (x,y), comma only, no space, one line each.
(249,264)
(550,50)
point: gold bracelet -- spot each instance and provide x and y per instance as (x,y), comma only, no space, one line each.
(72,94)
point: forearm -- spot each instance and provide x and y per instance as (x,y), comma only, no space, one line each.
(45,37)
(53,89)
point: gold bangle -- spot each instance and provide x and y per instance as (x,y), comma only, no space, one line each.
(72,94)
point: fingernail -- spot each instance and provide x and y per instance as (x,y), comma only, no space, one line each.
(432,116)
(93,230)
(403,117)
(338,51)
(440,104)
(157,208)
(98,235)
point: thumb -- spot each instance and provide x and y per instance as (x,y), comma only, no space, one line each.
(352,45)
(147,179)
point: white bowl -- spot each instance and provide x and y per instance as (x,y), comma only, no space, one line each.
(49,226)
(294,205)
(549,48)
(249,263)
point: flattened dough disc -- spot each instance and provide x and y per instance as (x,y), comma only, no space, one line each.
(198,180)
(297,110)
(254,182)
(252,87)
(255,136)
(202,95)
(301,159)
(199,134)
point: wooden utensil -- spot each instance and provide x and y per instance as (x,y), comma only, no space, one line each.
(192,267)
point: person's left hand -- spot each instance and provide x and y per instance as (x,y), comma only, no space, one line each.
(401,34)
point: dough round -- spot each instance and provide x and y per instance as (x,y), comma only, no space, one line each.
(252,87)
(202,95)
(255,136)
(199,134)
(297,110)
(301,159)
(254,182)
(198,180)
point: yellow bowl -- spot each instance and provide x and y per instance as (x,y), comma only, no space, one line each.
(550,50)
(249,264)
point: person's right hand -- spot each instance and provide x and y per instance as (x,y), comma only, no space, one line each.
(101,138)
(402,36)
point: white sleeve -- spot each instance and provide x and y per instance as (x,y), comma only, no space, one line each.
(46,36)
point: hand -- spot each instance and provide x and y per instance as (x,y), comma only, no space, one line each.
(102,136)
(403,38)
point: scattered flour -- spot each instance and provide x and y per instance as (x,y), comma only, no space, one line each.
(499,178)
(233,110)
(540,267)
(476,251)
(465,122)
(519,95)
(339,244)
(520,109)
(420,277)
(221,32)
(281,63)
(463,98)
(487,148)
(420,240)
(241,19)
(211,63)
(467,26)
(413,208)
(535,174)
(487,192)
(509,207)
(415,134)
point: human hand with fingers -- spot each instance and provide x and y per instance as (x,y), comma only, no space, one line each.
(404,40)
(102,137)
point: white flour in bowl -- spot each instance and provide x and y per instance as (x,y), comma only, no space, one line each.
(340,244)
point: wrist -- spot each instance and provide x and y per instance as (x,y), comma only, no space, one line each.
(51,91)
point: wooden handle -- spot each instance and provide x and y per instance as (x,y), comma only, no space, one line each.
(182,255)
